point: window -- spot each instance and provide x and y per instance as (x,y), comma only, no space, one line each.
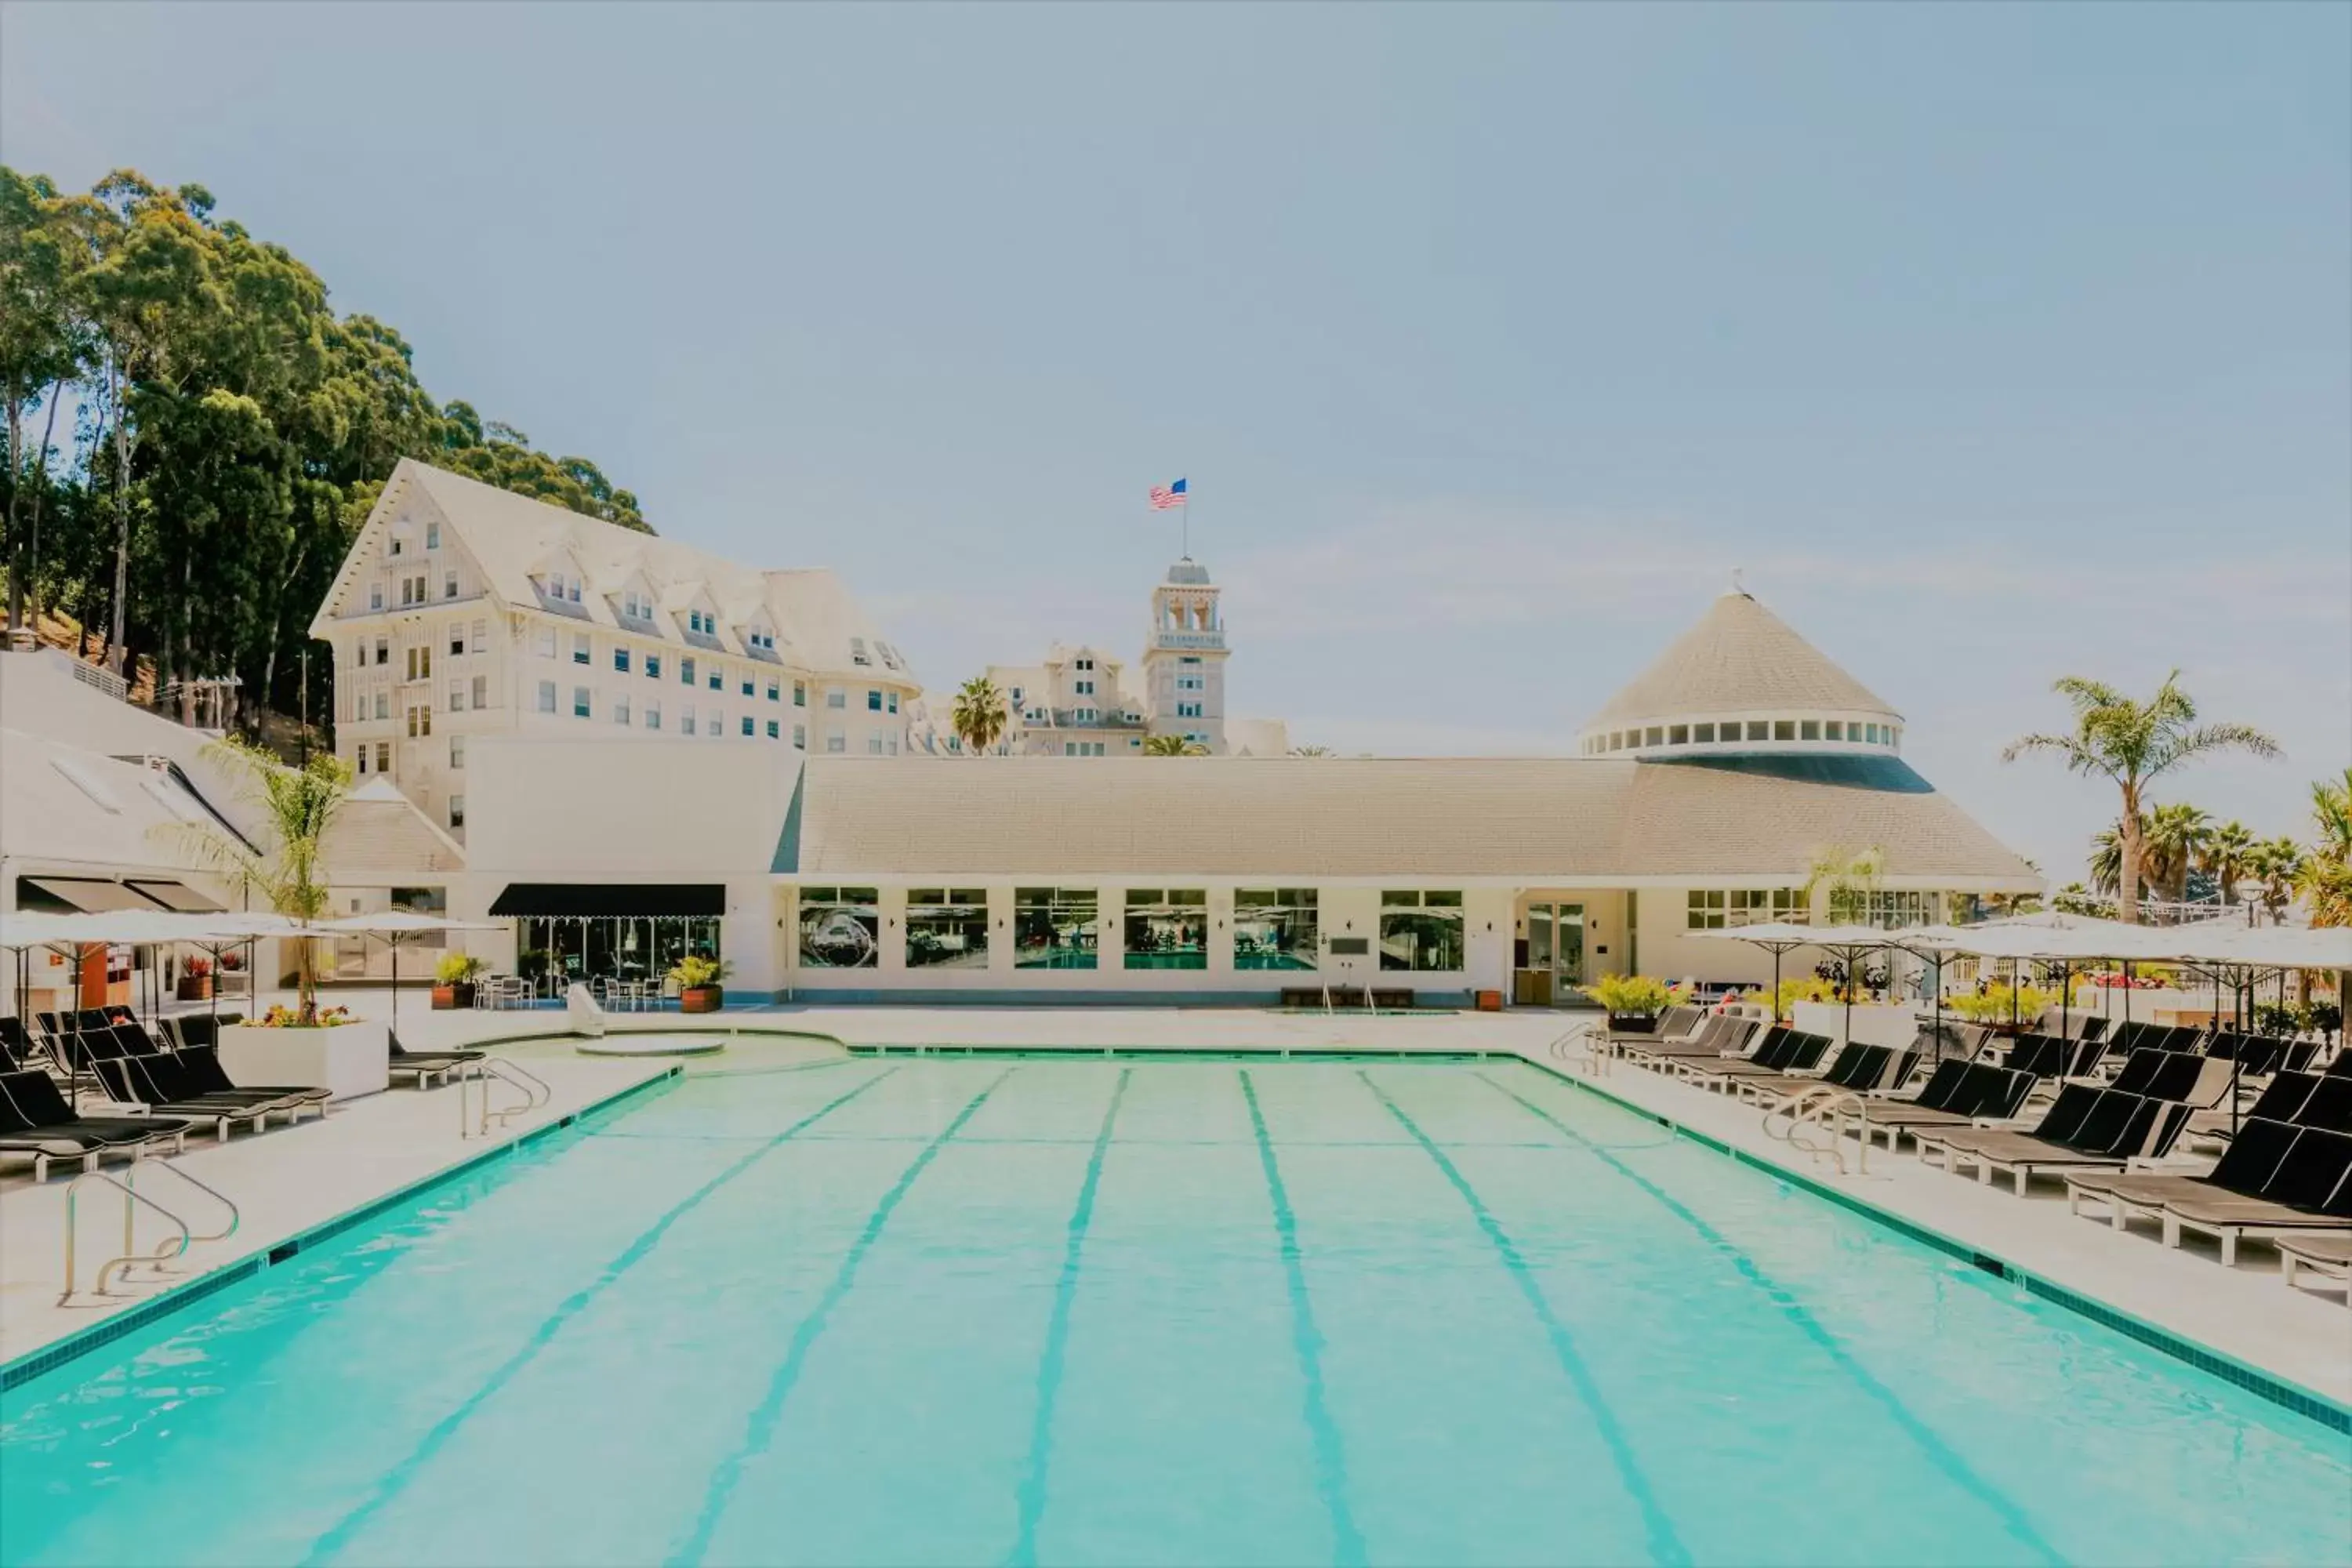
(579,648)
(686,718)
(397,543)
(653,715)
(840,928)
(1809,730)
(636,607)
(653,667)
(1190,683)
(946,928)
(547,697)
(1759,730)
(893,700)
(449,585)
(834,743)
(800,694)
(1421,931)
(749,688)
(481,691)
(411,590)
(1712,908)
(765,641)
(420,720)
(1784,729)
(1273,928)
(383,703)
(456,750)
(457,697)
(363,759)
(1054,928)
(481,640)
(1702,734)
(1085,664)
(857,651)
(457,638)
(621,660)
(375,595)
(457,811)
(1188,710)
(685,670)
(1167,927)
(718,681)
(718,725)
(1833,731)
(546,642)
(873,702)
(620,709)
(1085,688)
(580,702)
(697,622)
(747,724)
(1653,736)
(1888,910)
(432,536)
(776,689)
(420,663)
(775,728)
(1617,740)
(836,698)
(1677,734)
(800,737)
(873,744)
(1869,733)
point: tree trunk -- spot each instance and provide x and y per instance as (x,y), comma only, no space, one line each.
(16,488)
(2128,871)
(33,531)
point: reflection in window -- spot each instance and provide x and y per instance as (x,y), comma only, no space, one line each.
(1167,927)
(840,928)
(946,928)
(1421,931)
(1273,928)
(1054,928)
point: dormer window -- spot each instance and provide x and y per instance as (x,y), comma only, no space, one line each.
(760,639)
(432,536)
(636,607)
(700,624)
(857,654)
(889,656)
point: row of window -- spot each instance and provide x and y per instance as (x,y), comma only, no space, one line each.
(711,674)
(622,709)
(1160,928)
(1734,732)
(1717,909)
(415,589)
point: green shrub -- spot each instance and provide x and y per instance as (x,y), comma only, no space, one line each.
(457,969)
(1631,995)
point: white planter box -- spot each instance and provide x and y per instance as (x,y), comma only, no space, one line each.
(1874,1022)
(351,1060)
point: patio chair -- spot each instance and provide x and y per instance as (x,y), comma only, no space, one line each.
(2330,1256)
(2114,1131)
(127,1080)
(2311,1191)
(36,1119)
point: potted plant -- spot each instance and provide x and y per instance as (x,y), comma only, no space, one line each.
(453,979)
(1633,1001)
(697,979)
(196,983)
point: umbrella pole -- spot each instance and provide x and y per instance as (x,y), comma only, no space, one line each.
(1776,951)
(2065,995)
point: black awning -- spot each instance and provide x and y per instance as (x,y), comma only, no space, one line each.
(577,899)
(177,897)
(79,895)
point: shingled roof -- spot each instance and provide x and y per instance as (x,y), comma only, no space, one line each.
(1739,659)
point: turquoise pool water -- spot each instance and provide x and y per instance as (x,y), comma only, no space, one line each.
(981,1310)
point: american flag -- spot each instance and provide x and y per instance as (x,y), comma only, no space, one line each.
(1165,498)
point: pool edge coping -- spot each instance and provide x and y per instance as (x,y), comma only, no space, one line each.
(82,1341)
(2310,1403)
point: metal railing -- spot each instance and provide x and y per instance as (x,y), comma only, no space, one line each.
(488,1072)
(1818,1118)
(131,1257)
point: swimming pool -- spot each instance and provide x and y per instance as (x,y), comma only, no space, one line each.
(979,1310)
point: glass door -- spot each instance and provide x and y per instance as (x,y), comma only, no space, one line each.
(1567,948)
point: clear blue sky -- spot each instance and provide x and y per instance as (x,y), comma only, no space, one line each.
(1995,341)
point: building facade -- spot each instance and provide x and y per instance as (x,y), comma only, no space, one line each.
(464,612)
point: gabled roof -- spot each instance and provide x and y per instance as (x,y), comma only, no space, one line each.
(1739,659)
(510,536)
(1547,820)
(379,838)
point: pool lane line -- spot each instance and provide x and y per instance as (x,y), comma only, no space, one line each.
(1330,1455)
(1665,1545)
(1939,1453)
(1031,1497)
(759,1428)
(396,1480)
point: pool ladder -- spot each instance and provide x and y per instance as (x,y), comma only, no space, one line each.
(1591,1059)
(489,1072)
(131,1257)
(1819,1117)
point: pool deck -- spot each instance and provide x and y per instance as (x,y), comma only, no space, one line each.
(291,1181)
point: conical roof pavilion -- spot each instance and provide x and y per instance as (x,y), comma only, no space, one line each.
(1742,676)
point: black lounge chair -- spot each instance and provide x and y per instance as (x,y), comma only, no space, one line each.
(132,1080)
(1795,1052)
(2311,1191)
(203,1074)
(36,1119)
(1714,1037)
(2245,1167)
(1976,1092)
(1858,1069)
(2115,1129)
(426,1065)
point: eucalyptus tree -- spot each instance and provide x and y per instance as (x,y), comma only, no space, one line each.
(2132,743)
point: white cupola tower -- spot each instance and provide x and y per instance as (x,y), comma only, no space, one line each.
(1184,659)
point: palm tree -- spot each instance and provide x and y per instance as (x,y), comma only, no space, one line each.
(2325,874)
(2224,856)
(2172,843)
(1310,751)
(2106,863)
(1849,875)
(296,806)
(1173,746)
(2278,864)
(2132,743)
(978,714)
